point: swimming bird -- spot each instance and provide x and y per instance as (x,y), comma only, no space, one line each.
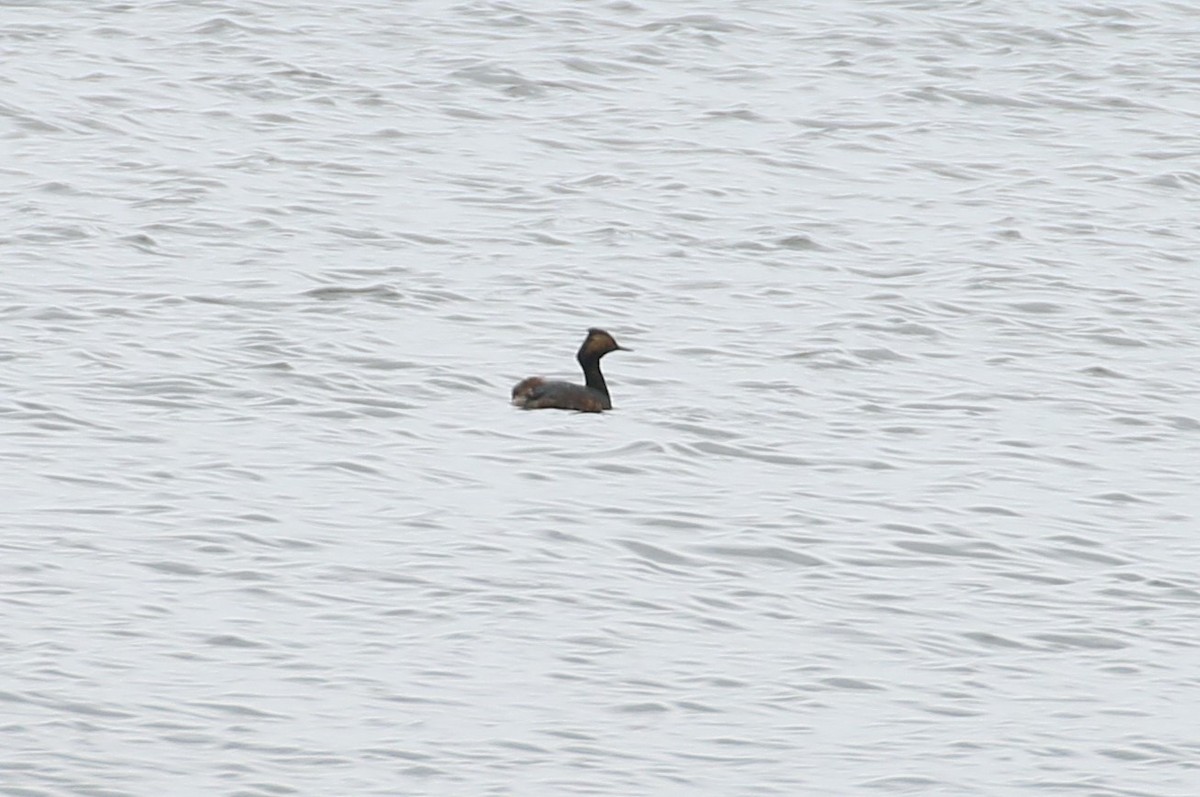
(536,393)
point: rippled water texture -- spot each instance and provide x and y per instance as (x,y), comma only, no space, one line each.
(899,495)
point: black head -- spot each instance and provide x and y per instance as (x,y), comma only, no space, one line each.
(598,344)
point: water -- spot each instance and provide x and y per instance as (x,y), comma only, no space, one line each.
(899,496)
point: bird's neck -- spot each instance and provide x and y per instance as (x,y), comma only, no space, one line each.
(591,374)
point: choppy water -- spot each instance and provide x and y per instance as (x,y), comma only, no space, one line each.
(900,492)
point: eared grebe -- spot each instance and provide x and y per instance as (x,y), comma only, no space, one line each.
(536,393)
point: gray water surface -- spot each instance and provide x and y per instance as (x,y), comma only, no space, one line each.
(899,495)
